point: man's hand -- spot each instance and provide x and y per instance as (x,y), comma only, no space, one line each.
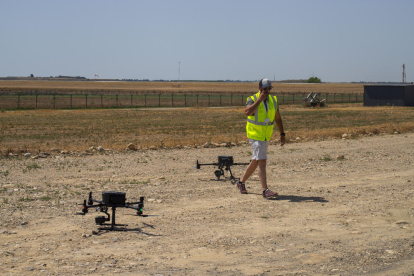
(282,140)
(263,96)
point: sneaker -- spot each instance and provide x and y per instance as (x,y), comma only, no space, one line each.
(241,187)
(269,194)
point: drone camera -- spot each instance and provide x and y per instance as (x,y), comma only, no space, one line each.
(100,220)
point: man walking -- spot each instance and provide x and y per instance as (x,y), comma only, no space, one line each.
(262,112)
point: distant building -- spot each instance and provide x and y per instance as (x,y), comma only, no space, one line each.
(388,95)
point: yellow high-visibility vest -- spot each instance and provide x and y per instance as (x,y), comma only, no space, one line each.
(260,124)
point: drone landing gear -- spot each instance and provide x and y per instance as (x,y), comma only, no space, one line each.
(220,172)
(100,220)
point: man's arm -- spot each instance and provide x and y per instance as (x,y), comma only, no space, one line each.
(279,123)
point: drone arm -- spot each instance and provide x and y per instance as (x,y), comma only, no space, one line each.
(199,165)
(140,206)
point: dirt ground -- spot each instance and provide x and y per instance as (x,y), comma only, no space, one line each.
(351,216)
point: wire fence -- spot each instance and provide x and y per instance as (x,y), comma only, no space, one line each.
(67,101)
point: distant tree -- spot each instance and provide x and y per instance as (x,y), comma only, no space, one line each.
(314,80)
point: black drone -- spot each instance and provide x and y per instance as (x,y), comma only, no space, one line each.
(224,163)
(114,200)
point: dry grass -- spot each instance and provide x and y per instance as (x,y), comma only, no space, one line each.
(41,130)
(169,87)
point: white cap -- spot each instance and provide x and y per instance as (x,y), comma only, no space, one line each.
(265,83)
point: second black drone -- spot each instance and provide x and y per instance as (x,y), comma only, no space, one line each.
(224,163)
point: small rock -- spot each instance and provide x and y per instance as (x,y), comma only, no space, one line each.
(131,147)
(207,145)
(401,222)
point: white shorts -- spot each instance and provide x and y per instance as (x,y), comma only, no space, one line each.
(259,149)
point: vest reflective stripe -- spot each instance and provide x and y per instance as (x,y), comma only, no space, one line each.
(260,123)
(256,128)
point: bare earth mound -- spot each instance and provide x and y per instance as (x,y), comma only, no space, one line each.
(351,216)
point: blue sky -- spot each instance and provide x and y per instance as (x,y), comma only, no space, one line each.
(337,41)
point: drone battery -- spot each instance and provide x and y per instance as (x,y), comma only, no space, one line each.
(116,199)
(227,160)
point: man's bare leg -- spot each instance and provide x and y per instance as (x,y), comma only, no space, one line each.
(249,171)
(262,173)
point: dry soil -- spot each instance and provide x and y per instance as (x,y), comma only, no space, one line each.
(350,216)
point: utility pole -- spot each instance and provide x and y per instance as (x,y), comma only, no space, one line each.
(179,64)
(403,74)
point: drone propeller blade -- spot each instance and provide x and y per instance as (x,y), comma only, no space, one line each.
(79,214)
